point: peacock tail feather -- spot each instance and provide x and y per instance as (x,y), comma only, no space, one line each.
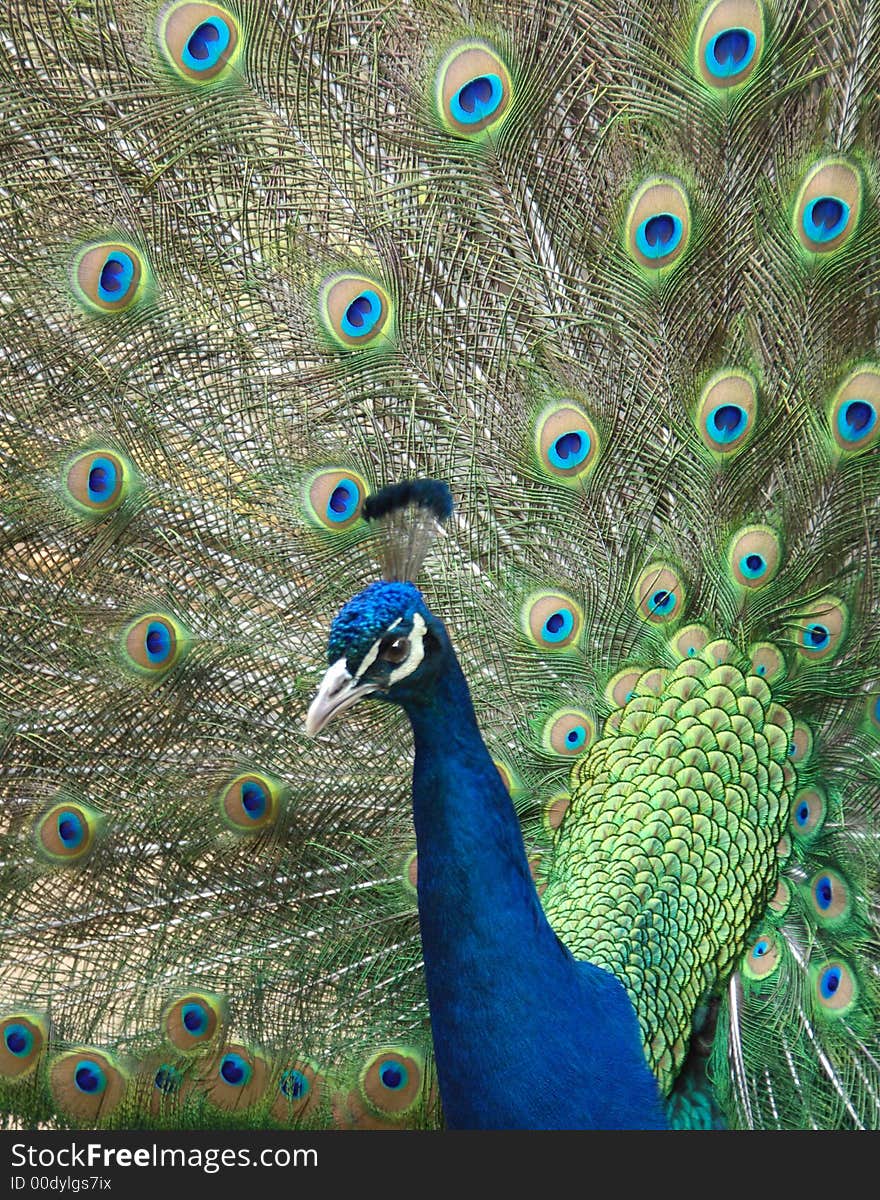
(615,278)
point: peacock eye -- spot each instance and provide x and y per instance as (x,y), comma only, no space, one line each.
(394,650)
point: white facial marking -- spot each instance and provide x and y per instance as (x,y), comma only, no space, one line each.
(416,649)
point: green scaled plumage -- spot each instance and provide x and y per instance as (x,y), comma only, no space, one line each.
(621,292)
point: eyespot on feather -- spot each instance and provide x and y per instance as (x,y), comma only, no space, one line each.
(390,1082)
(566,443)
(236,1079)
(568,732)
(808,811)
(300,1093)
(472,90)
(555,810)
(87,1084)
(22,1042)
(193,1020)
(67,832)
(855,411)
(96,482)
(658,224)
(767,661)
(659,594)
(761,959)
(621,687)
(754,556)
(729,42)
(552,620)
(200,41)
(801,745)
(154,643)
(690,642)
(334,498)
(821,631)
(830,897)
(355,311)
(835,988)
(727,411)
(828,206)
(107,277)
(251,802)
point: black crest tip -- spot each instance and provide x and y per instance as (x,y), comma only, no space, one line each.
(431,494)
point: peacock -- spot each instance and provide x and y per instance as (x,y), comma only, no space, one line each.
(512,365)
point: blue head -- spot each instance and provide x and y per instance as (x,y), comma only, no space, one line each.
(384,643)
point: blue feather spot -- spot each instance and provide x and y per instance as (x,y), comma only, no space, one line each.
(727,422)
(802,813)
(102,480)
(194,1018)
(662,602)
(393,1075)
(760,669)
(253,799)
(570,449)
(825,218)
(829,982)
(167,1079)
(730,52)
(70,829)
(19,1040)
(659,235)
(158,641)
(89,1078)
(576,737)
(343,501)
(206,44)
(558,626)
(362,315)
(116,277)
(476,100)
(293,1085)
(855,419)
(816,637)
(824,893)
(760,948)
(753,566)
(234,1070)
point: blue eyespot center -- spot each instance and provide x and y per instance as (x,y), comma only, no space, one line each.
(158,641)
(294,1085)
(393,1075)
(856,419)
(760,948)
(659,235)
(116,277)
(253,799)
(816,636)
(102,480)
(730,52)
(195,1018)
(558,626)
(89,1078)
(824,893)
(662,602)
(570,449)
(19,1040)
(167,1079)
(478,99)
(343,501)
(234,1070)
(727,422)
(206,44)
(362,315)
(802,813)
(825,218)
(70,829)
(576,737)
(830,982)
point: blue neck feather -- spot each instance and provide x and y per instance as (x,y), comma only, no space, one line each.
(524,1035)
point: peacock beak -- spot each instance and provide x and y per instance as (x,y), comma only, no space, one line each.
(338,691)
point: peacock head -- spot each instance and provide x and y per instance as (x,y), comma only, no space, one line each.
(385,642)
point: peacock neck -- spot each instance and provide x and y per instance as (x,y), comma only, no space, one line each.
(524,1036)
